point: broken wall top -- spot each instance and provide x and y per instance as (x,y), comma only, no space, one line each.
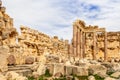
(32,31)
(82,26)
(7,31)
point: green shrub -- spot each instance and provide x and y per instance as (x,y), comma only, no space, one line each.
(109,73)
(61,78)
(82,77)
(98,77)
(30,78)
(47,73)
(41,78)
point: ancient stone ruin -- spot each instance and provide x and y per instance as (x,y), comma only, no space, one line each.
(29,46)
(95,43)
(92,51)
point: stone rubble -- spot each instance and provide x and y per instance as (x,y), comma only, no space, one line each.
(3,58)
(116,74)
(14,76)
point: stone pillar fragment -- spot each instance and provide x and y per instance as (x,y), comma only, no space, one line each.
(74,39)
(105,46)
(94,45)
(81,47)
(78,43)
(4,50)
(70,50)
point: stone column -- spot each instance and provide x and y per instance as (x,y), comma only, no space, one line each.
(81,47)
(94,45)
(78,43)
(74,39)
(105,46)
(70,50)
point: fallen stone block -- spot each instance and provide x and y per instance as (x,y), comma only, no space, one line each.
(80,71)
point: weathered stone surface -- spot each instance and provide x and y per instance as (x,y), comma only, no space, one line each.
(80,71)
(29,60)
(55,68)
(38,43)
(91,78)
(67,63)
(42,59)
(3,56)
(111,67)
(116,74)
(35,75)
(14,76)
(102,75)
(69,77)
(58,75)
(2,77)
(96,69)
(68,70)
(35,66)
(41,69)
(109,78)
(11,60)
(76,78)
(82,63)
(58,68)
(53,59)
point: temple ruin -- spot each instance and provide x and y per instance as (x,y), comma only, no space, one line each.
(88,42)
(95,43)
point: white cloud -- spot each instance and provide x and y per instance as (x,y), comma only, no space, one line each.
(55,17)
(109,14)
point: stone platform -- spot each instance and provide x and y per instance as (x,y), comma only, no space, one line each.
(20,69)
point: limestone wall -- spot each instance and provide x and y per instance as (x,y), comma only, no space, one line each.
(36,43)
(113,47)
(8,35)
(7,31)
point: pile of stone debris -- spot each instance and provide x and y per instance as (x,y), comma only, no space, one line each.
(68,69)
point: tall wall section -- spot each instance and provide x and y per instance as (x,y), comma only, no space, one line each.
(37,43)
(113,47)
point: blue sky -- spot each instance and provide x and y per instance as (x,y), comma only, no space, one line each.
(55,17)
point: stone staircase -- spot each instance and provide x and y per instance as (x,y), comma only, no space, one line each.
(21,69)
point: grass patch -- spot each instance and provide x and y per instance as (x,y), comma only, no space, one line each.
(98,77)
(82,77)
(30,78)
(79,77)
(41,78)
(61,78)
(109,73)
(47,73)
